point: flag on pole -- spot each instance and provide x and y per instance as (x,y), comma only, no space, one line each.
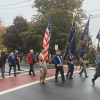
(72,41)
(73,46)
(46,40)
(85,31)
(98,36)
(72,33)
(84,40)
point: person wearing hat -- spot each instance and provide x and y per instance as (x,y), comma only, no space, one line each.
(83,62)
(97,74)
(17,59)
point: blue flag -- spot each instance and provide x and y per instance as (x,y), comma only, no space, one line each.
(73,46)
(72,33)
(85,31)
(85,40)
(98,36)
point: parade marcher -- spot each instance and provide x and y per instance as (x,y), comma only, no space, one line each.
(87,63)
(17,59)
(95,64)
(97,74)
(2,61)
(4,56)
(12,63)
(83,62)
(43,68)
(70,63)
(31,60)
(58,61)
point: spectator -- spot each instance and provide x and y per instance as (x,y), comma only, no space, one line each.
(2,61)
(31,61)
(12,63)
(76,63)
(4,56)
(37,57)
(50,61)
(17,59)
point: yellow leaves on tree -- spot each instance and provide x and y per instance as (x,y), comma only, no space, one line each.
(2,31)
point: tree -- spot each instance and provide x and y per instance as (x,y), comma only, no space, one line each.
(61,23)
(2,31)
(12,38)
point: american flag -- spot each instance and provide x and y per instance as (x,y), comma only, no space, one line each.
(46,40)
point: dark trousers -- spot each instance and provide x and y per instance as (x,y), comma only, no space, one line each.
(31,69)
(2,71)
(70,70)
(61,71)
(95,78)
(17,63)
(14,67)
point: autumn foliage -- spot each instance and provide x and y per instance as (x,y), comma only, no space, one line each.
(2,31)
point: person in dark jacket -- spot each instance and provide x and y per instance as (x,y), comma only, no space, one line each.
(97,74)
(17,59)
(58,61)
(2,61)
(12,63)
(4,56)
(70,63)
(31,60)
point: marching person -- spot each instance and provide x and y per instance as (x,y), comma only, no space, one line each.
(2,61)
(70,63)
(12,63)
(4,56)
(58,61)
(43,68)
(87,63)
(97,74)
(31,60)
(83,62)
(17,59)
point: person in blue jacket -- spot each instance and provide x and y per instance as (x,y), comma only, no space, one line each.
(58,61)
(12,63)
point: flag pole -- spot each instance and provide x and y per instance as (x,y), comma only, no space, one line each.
(77,46)
(66,47)
(72,25)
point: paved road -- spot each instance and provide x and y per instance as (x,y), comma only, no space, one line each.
(79,88)
(24,69)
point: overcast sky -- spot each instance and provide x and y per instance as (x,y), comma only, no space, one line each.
(8,14)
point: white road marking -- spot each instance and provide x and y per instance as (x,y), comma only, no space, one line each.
(26,85)
(16,72)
